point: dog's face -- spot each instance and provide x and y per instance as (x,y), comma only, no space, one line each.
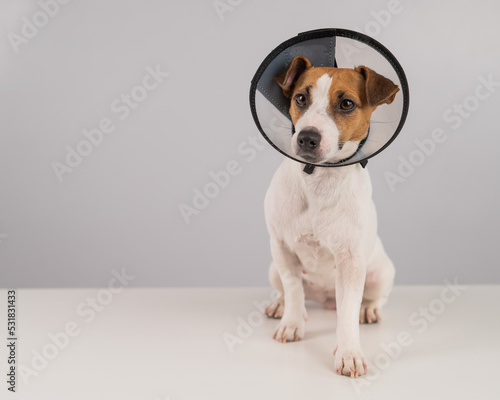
(331,107)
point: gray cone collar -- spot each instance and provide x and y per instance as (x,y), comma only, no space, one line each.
(328,48)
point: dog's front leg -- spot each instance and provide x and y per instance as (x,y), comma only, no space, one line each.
(349,284)
(292,324)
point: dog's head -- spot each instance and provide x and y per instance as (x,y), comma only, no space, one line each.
(331,107)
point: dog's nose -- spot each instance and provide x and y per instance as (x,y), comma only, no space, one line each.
(308,139)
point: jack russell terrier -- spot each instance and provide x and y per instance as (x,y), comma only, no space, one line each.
(323,226)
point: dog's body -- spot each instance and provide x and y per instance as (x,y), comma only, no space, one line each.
(323,226)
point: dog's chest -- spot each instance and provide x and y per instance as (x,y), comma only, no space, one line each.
(318,263)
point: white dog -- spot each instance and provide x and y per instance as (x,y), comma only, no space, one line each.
(323,226)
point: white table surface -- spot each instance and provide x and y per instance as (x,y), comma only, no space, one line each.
(159,344)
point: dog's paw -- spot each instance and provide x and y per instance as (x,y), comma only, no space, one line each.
(290,330)
(370,312)
(350,362)
(275,309)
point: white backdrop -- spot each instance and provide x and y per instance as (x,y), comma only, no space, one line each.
(116,115)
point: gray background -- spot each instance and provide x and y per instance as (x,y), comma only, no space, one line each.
(119,207)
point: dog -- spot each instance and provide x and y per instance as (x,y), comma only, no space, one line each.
(323,226)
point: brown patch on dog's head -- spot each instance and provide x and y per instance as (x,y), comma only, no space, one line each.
(287,78)
(367,90)
(350,99)
(379,89)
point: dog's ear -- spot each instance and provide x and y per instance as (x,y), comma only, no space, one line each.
(379,89)
(287,78)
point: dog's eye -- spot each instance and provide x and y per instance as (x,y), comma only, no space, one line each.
(347,105)
(300,100)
